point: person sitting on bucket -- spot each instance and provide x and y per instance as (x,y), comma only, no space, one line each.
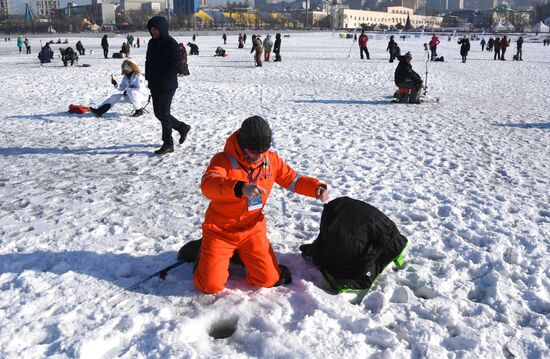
(405,77)
(132,87)
(238,182)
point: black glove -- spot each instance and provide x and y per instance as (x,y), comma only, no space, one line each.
(125,92)
(113,81)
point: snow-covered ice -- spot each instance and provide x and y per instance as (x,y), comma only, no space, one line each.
(85,209)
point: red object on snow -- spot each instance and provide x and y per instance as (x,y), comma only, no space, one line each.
(79,109)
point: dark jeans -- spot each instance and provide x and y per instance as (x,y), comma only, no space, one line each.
(497,54)
(519,54)
(366,51)
(106,52)
(502,52)
(433,50)
(162,101)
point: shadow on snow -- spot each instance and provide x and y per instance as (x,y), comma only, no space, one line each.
(345,102)
(111,150)
(124,270)
(525,125)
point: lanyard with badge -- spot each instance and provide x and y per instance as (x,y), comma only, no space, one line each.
(256,202)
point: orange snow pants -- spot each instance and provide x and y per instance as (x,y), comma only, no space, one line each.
(217,248)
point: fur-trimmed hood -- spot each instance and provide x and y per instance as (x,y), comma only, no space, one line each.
(132,64)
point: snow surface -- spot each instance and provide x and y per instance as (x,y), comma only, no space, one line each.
(86,209)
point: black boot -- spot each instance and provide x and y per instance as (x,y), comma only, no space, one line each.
(285,278)
(190,251)
(137,112)
(98,112)
(183,133)
(164,149)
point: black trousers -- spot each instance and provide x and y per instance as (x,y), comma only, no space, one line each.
(162,101)
(106,52)
(502,52)
(497,55)
(364,49)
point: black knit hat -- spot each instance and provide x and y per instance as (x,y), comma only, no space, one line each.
(255,134)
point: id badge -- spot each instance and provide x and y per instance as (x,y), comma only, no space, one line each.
(255,203)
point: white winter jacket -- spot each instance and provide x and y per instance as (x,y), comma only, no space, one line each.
(135,89)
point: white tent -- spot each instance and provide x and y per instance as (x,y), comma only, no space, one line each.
(498,27)
(540,27)
(508,26)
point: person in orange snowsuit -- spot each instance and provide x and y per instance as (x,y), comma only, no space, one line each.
(238,182)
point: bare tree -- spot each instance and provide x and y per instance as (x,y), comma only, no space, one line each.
(542,9)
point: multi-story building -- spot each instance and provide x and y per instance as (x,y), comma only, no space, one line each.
(343,18)
(454,4)
(47,8)
(480,4)
(101,14)
(136,5)
(264,5)
(4,8)
(381,5)
(186,6)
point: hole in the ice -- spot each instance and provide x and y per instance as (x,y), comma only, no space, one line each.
(453,330)
(476,295)
(224,328)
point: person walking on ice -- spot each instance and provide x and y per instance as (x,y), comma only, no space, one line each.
(464,43)
(162,66)
(238,182)
(132,90)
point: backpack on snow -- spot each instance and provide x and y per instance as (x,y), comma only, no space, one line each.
(78,109)
(355,244)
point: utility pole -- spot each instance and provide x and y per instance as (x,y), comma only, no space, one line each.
(168,6)
(307,2)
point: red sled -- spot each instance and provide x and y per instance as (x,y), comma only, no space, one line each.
(79,109)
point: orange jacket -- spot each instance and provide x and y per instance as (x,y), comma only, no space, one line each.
(229,212)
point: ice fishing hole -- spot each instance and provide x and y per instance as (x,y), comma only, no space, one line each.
(224,328)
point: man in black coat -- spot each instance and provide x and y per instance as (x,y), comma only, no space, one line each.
(277,48)
(162,65)
(519,49)
(392,48)
(105,46)
(405,77)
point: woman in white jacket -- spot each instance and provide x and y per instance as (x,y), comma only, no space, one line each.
(133,90)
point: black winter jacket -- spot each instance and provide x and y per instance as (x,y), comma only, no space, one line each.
(404,73)
(464,47)
(104,42)
(163,60)
(277,45)
(392,46)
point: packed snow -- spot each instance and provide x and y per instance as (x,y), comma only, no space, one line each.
(86,209)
